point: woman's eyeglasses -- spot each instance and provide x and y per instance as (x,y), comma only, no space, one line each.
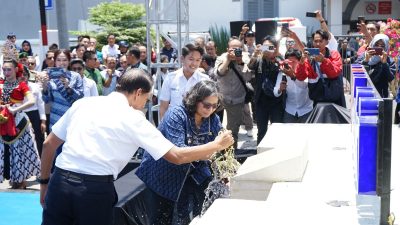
(207,105)
(77,68)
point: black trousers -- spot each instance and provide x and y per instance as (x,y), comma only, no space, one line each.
(267,111)
(396,115)
(34,117)
(77,200)
(6,173)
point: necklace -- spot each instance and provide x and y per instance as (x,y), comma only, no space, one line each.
(8,87)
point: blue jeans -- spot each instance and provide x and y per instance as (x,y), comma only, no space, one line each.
(76,201)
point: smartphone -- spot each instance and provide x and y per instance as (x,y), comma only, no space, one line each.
(312,51)
(311,14)
(286,65)
(361,19)
(285,30)
(267,48)
(56,72)
(378,50)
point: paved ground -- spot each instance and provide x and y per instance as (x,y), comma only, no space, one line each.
(32,186)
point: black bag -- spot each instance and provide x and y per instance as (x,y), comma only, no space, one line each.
(249,93)
(326,89)
(247,86)
(268,71)
(268,87)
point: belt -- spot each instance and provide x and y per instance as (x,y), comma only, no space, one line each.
(85,177)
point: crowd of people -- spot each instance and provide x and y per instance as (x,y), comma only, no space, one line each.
(192,101)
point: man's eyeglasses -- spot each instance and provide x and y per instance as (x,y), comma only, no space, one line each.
(207,105)
(77,69)
(50,58)
(7,69)
(95,59)
(290,43)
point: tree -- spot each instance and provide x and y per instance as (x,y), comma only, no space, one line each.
(122,19)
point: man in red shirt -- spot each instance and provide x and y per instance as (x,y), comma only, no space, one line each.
(326,65)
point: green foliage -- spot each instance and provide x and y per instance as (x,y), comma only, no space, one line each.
(220,36)
(117,15)
(124,20)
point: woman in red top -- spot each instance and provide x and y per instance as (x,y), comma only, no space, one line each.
(21,159)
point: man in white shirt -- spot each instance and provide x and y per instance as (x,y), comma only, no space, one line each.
(97,146)
(36,113)
(178,83)
(111,49)
(298,104)
(89,86)
(110,75)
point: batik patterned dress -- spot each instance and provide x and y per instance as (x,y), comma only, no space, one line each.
(24,158)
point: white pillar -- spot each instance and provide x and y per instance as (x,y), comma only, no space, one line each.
(335,11)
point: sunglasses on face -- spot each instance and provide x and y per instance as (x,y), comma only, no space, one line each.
(7,69)
(32,63)
(77,68)
(50,58)
(207,105)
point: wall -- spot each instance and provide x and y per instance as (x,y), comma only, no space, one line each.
(298,9)
(360,10)
(204,14)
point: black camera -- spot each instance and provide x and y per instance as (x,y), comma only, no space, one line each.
(238,52)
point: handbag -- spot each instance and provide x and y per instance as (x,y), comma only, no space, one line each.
(325,89)
(247,86)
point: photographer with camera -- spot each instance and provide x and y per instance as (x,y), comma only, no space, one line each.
(298,105)
(380,66)
(323,68)
(232,72)
(265,64)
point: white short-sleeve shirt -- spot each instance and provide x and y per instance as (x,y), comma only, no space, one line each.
(176,85)
(113,85)
(332,43)
(89,87)
(107,50)
(102,133)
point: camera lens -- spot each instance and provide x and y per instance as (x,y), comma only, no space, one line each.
(238,52)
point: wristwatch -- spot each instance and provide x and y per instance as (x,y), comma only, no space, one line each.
(43,181)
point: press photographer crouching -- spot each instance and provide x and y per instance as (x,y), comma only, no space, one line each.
(298,105)
(232,73)
(323,68)
(268,106)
